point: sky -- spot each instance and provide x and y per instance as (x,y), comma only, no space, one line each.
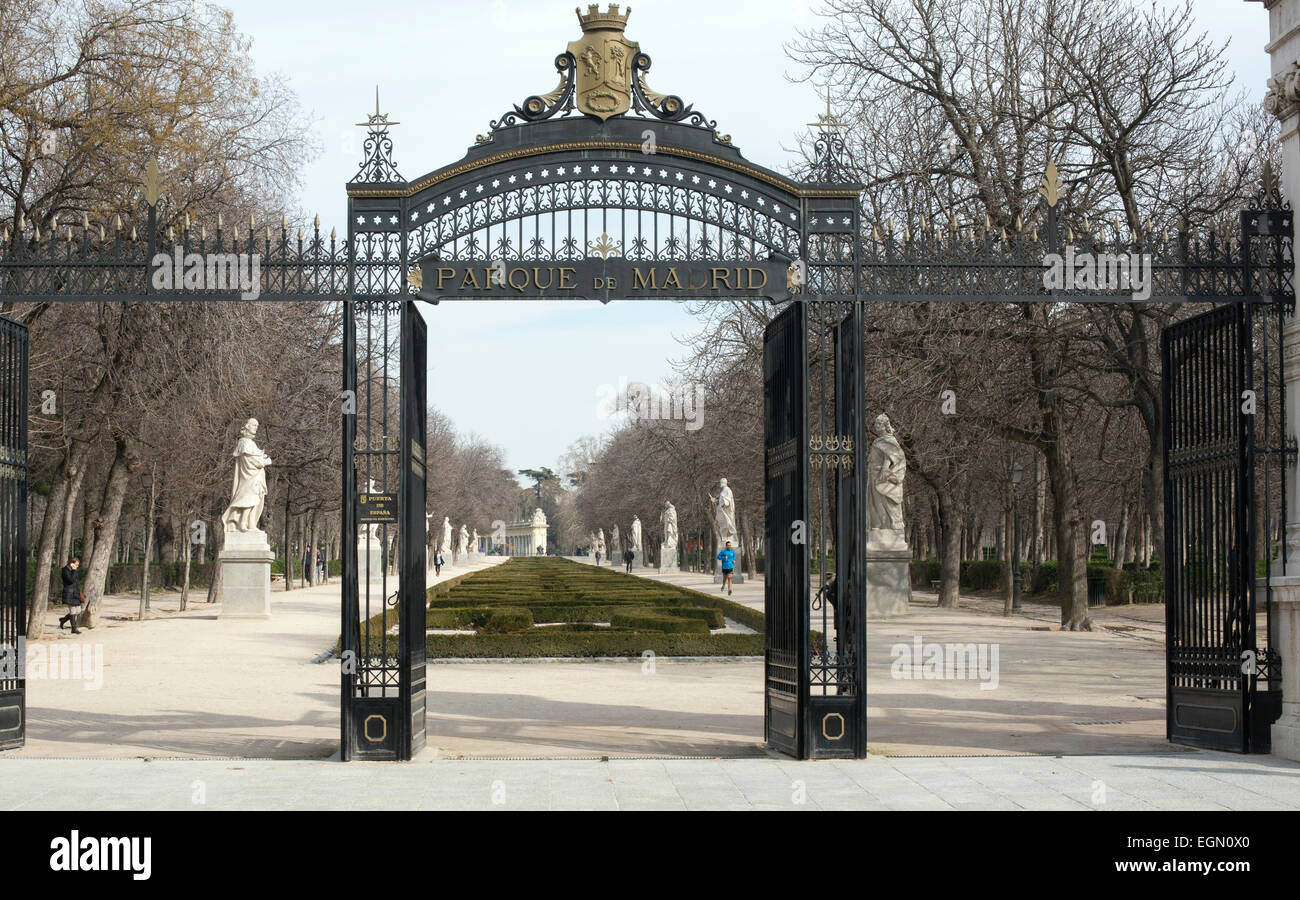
(528,376)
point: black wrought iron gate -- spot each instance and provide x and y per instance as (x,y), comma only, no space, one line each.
(1222,691)
(13,532)
(384,481)
(785,497)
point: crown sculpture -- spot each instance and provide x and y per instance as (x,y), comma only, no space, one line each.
(604,57)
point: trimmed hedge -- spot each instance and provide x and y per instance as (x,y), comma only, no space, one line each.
(567,600)
(647,620)
(586,644)
(507,620)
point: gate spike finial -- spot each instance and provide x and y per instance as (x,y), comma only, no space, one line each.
(220,223)
(317,222)
(85,222)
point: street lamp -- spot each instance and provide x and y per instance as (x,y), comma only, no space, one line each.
(1017,473)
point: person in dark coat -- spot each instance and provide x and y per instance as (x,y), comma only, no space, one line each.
(71,594)
(628,557)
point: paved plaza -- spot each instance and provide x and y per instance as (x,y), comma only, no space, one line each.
(1185,781)
(250,710)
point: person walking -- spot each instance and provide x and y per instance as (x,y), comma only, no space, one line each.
(437,563)
(71,594)
(628,556)
(597,557)
(727,557)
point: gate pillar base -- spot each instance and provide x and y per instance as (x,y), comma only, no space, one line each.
(889,582)
(245,562)
(1286,641)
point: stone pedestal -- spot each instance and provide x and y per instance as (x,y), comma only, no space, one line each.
(667,559)
(245,561)
(889,581)
(1286,641)
(370,560)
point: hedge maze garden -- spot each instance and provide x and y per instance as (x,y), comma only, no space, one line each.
(554,607)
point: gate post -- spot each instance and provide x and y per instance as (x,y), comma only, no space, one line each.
(1283,101)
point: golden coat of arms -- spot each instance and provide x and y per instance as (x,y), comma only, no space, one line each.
(604,57)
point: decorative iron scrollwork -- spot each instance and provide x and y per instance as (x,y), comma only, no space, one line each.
(668,107)
(540,107)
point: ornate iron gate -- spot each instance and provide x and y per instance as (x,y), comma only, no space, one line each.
(785,591)
(13,532)
(383,531)
(1214,663)
(642,195)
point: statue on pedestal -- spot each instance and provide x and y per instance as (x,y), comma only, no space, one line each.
(636,536)
(669,521)
(724,515)
(445,545)
(248,493)
(462,541)
(886,469)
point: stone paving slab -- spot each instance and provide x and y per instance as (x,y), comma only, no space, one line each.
(1199,780)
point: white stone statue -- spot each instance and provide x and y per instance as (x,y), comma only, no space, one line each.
(445,545)
(669,521)
(248,493)
(371,530)
(473,547)
(600,543)
(462,542)
(724,515)
(614,542)
(886,469)
(636,536)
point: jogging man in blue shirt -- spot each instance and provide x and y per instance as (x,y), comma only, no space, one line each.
(728,558)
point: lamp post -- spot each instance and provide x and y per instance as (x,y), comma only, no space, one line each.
(1017,473)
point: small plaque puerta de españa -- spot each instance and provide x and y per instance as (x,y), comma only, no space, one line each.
(377,509)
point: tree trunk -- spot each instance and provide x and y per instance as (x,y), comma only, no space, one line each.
(148,545)
(288,547)
(185,583)
(1008,584)
(1040,504)
(110,511)
(950,552)
(45,554)
(80,451)
(214,583)
(1121,535)
(1067,519)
